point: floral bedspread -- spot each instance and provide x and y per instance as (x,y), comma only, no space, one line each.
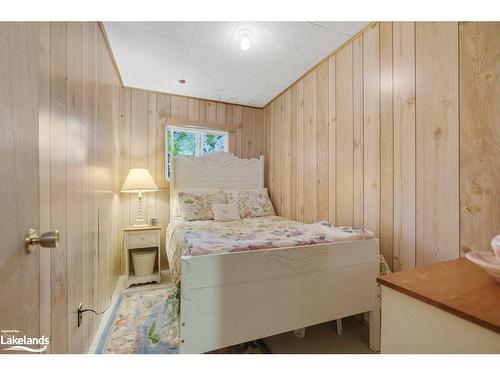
(197,238)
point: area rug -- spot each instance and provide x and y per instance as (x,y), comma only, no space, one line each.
(145,321)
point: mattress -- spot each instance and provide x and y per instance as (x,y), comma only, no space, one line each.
(199,238)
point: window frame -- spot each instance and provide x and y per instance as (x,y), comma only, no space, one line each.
(198,132)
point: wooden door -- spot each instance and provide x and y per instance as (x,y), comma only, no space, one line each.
(19,180)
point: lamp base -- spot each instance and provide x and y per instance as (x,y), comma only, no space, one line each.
(139,218)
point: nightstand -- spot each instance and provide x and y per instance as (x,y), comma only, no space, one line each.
(140,239)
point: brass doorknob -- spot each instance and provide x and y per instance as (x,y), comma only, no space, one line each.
(47,239)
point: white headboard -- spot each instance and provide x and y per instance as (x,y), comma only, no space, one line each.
(217,170)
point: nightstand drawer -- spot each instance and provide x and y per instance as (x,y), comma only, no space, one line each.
(143,239)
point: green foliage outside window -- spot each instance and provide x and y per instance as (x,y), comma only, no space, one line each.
(213,142)
(184,143)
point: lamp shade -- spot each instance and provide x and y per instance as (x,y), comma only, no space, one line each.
(139,180)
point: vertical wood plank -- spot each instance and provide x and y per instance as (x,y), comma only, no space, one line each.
(74,182)
(404,144)
(386,144)
(44,176)
(287,155)
(151,153)
(277,125)
(95,162)
(211,112)
(248,132)
(293,151)
(229,116)
(104,212)
(86,211)
(238,128)
(232,133)
(300,152)
(179,107)
(259,136)
(479,134)
(125,152)
(139,118)
(87,244)
(115,176)
(101,201)
(162,115)
(332,141)
(202,110)
(232,142)
(193,109)
(358,136)
(322,184)
(139,138)
(230,125)
(58,266)
(221,113)
(268,146)
(345,136)
(437,143)
(371,130)
(310,147)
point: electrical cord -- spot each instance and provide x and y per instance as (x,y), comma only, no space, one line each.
(91,310)
(81,311)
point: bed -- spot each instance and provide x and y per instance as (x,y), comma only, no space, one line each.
(262,276)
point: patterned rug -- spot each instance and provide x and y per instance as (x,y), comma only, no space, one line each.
(145,321)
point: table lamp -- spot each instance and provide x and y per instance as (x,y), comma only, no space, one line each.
(139,181)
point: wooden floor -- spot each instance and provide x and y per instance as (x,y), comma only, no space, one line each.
(323,339)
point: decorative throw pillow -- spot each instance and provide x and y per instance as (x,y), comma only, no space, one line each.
(177,208)
(226,212)
(198,206)
(251,203)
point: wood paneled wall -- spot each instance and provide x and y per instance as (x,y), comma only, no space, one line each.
(79,179)
(479,133)
(321,134)
(371,137)
(144,115)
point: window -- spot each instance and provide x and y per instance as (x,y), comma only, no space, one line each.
(192,142)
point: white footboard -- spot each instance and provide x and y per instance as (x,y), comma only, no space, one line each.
(232,298)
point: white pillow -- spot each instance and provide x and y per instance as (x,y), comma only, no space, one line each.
(226,212)
(251,203)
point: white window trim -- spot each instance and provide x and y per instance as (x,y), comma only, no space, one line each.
(199,132)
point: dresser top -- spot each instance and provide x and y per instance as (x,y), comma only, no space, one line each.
(457,286)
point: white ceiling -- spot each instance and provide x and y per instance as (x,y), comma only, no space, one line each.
(155,55)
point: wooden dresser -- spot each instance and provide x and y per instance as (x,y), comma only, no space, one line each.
(447,307)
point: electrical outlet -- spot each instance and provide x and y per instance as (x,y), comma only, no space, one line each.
(79,314)
(81,310)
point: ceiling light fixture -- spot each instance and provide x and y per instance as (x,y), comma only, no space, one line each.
(245,35)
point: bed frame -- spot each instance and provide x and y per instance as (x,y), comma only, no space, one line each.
(231,298)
